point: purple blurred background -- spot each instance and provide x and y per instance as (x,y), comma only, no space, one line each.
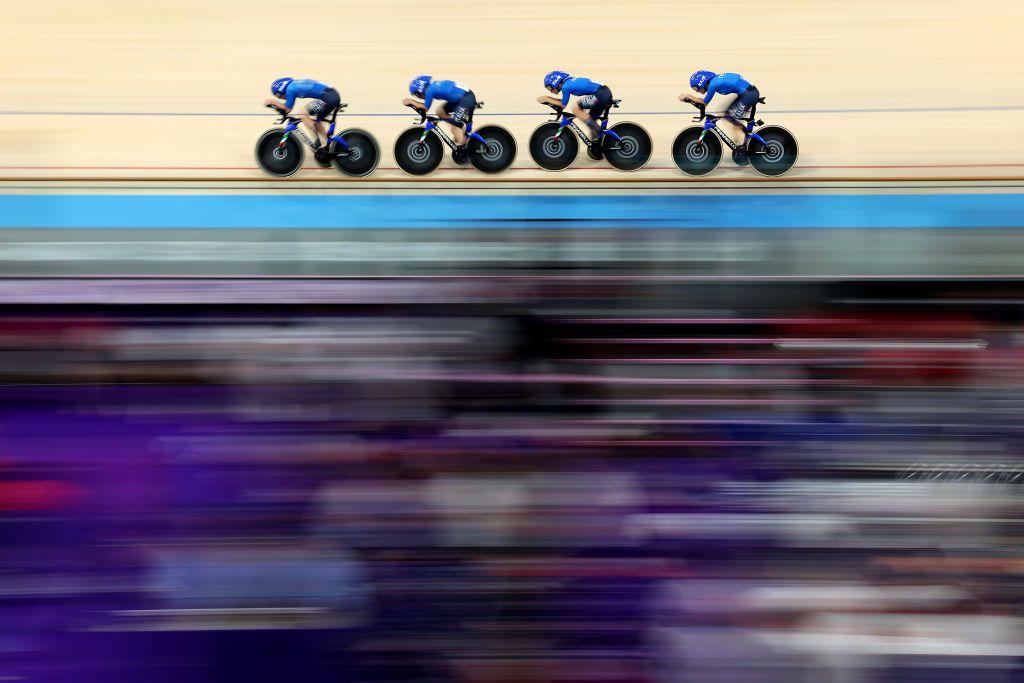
(576,479)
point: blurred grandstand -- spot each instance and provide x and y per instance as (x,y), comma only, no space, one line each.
(558,476)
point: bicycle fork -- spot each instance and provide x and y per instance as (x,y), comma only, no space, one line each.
(288,130)
(294,128)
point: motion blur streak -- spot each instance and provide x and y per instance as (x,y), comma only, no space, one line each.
(506,486)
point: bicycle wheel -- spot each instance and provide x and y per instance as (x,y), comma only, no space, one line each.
(778,155)
(551,153)
(694,156)
(361,157)
(415,157)
(632,151)
(498,152)
(276,159)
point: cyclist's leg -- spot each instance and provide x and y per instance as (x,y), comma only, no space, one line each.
(469,101)
(458,135)
(310,125)
(589,107)
(458,114)
(443,112)
(321,130)
(316,111)
(333,100)
(737,111)
(603,100)
(581,108)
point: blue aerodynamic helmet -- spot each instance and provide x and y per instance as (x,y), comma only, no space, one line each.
(277,87)
(555,79)
(700,79)
(418,85)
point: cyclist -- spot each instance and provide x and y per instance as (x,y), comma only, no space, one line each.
(593,98)
(325,100)
(457,103)
(708,84)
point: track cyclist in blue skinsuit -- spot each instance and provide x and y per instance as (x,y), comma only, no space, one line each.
(708,84)
(592,97)
(457,103)
(325,100)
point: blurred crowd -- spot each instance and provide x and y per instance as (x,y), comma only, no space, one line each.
(602,480)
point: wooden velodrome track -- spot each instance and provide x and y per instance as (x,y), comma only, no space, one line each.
(121,89)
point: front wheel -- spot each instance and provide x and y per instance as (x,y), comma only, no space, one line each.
(694,156)
(631,151)
(777,155)
(416,157)
(496,153)
(278,155)
(553,153)
(361,157)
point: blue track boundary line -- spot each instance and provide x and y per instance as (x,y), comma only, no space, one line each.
(477,189)
(674,112)
(527,211)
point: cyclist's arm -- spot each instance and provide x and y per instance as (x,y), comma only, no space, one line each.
(713,86)
(553,101)
(429,94)
(276,104)
(410,102)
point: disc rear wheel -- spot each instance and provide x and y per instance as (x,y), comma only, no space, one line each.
(777,155)
(631,151)
(497,152)
(361,157)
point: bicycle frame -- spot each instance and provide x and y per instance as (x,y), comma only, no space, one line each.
(711,123)
(431,126)
(569,121)
(293,127)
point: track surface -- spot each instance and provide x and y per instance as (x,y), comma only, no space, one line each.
(873,89)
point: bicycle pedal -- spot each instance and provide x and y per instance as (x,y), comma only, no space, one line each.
(759,122)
